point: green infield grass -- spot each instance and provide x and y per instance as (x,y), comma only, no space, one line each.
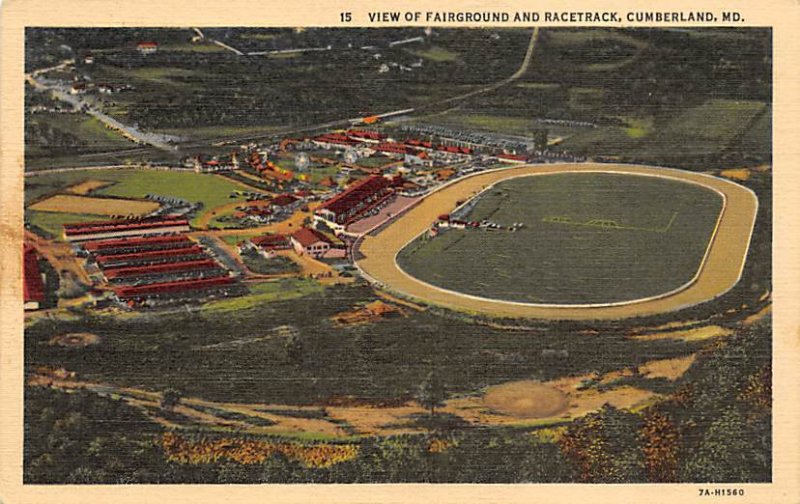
(586,238)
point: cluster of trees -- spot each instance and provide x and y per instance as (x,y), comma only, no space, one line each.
(256,263)
(715,428)
(42,134)
(82,438)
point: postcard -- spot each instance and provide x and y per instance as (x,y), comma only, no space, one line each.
(399,252)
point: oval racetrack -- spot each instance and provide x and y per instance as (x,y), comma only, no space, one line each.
(720,271)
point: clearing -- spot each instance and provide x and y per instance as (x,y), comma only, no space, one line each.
(65,203)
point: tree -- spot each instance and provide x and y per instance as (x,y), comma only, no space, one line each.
(431,393)
(660,445)
(604,447)
(294,348)
(170,398)
(540,140)
(730,451)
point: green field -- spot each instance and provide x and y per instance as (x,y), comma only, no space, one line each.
(50,134)
(587,238)
(436,53)
(210,190)
(704,130)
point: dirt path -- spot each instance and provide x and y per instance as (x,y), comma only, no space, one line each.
(288,226)
(203,221)
(521,403)
(59,255)
(720,271)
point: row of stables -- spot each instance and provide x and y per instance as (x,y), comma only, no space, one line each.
(160,264)
(120,228)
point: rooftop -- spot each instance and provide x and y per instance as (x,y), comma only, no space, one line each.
(307,237)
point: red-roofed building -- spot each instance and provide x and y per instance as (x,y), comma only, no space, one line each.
(160,269)
(365,135)
(355,200)
(129,245)
(78,88)
(147,47)
(452,149)
(420,158)
(162,288)
(512,158)
(108,262)
(419,144)
(311,242)
(283,200)
(334,141)
(393,148)
(272,242)
(101,230)
(33,285)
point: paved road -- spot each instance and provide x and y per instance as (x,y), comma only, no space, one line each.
(719,273)
(62,93)
(36,173)
(523,68)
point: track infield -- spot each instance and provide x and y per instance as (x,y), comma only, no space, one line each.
(720,270)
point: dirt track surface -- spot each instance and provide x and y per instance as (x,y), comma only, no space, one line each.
(720,271)
(526,399)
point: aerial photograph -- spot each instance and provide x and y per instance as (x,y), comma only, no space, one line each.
(397,255)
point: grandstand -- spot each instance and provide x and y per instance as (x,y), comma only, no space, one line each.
(356,200)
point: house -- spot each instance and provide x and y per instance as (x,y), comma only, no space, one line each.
(33,285)
(310,242)
(284,201)
(105,88)
(418,159)
(88,59)
(213,165)
(78,88)
(147,47)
